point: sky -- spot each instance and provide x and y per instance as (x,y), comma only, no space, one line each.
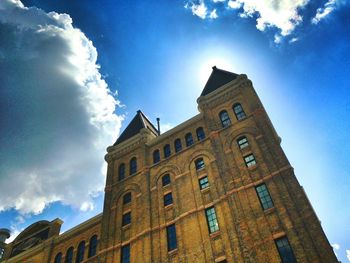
(74,73)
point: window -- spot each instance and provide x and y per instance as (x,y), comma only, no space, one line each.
(126,219)
(168,199)
(167,151)
(127,198)
(225,119)
(125,254)
(242,142)
(92,246)
(199,164)
(177,144)
(133,165)
(121,172)
(58,258)
(249,160)
(189,139)
(264,196)
(212,221)
(239,112)
(80,252)
(285,250)
(69,255)
(200,134)
(166,180)
(156,156)
(203,182)
(171,237)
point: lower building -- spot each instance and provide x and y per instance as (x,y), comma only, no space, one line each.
(216,188)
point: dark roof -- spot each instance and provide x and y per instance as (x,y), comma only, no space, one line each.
(137,123)
(217,79)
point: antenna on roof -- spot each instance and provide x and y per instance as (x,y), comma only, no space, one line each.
(158,123)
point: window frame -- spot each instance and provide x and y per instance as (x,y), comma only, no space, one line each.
(264,196)
(171,237)
(168,199)
(199,164)
(225,122)
(177,145)
(200,133)
(69,255)
(93,242)
(121,172)
(127,198)
(240,114)
(242,145)
(210,215)
(133,166)
(286,248)
(58,258)
(189,139)
(125,254)
(126,219)
(204,185)
(166,150)
(251,162)
(156,156)
(80,252)
(166,180)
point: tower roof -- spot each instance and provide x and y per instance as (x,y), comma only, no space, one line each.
(217,79)
(137,123)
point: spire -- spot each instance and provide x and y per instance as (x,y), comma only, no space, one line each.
(217,79)
(139,122)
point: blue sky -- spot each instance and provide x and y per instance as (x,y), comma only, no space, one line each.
(156,56)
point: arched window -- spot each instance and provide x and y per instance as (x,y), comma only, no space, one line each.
(178,145)
(92,246)
(200,134)
(121,172)
(199,163)
(242,142)
(156,156)
(58,258)
(133,165)
(189,139)
(127,198)
(239,112)
(69,255)
(225,119)
(167,151)
(80,253)
(166,180)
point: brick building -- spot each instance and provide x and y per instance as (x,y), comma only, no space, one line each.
(216,188)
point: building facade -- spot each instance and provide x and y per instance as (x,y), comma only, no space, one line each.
(216,188)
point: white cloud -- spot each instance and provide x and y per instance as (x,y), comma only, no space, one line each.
(280,14)
(336,246)
(213,14)
(324,11)
(57,113)
(348,254)
(199,9)
(294,39)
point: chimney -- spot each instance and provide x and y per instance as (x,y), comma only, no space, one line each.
(158,123)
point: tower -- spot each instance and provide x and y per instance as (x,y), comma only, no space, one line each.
(216,188)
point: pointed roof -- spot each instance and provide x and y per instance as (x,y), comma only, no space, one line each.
(137,123)
(217,79)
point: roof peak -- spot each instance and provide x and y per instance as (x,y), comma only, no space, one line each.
(139,122)
(218,78)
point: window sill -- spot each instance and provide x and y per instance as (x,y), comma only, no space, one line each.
(252,167)
(172,252)
(215,234)
(205,190)
(270,210)
(126,227)
(167,207)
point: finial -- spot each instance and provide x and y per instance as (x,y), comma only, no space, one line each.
(214,67)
